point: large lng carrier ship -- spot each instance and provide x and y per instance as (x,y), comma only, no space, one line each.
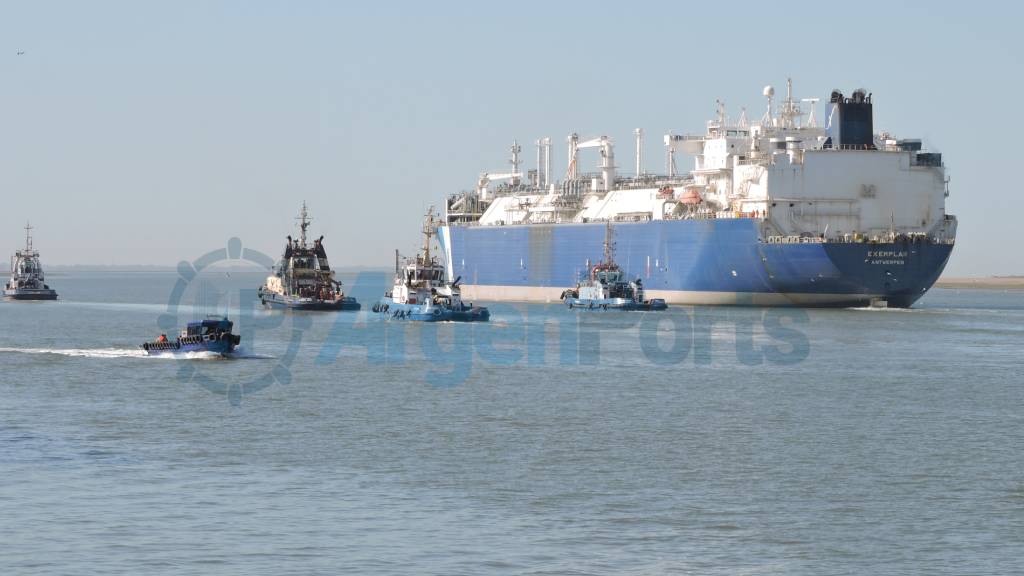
(780,211)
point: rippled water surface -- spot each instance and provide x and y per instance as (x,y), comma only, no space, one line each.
(700,441)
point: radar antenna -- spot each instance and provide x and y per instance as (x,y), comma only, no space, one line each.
(767,120)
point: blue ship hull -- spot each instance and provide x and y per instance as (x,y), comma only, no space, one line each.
(30,294)
(691,262)
(273,300)
(222,347)
(423,313)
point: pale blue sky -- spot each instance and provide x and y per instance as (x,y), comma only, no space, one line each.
(148,133)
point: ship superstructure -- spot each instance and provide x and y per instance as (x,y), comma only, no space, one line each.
(304,279)
(27,280)
(780,211)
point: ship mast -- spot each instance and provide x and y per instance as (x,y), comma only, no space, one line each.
(609,244)
(28,237)
(428,233)
(304,221)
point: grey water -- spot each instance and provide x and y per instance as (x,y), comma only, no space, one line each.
(701,441)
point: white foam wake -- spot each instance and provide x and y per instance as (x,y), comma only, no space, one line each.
(196,355)
(239,353)
(81,352)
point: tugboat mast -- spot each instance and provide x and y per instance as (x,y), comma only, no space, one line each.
(28,237)
(609,244)
(304,221)
(428,233)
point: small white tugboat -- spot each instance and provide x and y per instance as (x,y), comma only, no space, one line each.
(606,287)
(304,279)
(27,281)
(422,291)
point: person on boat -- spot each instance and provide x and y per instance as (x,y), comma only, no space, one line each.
(162,338)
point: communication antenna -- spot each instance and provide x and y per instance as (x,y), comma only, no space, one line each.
(790,109)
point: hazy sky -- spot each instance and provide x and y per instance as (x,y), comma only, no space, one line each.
(148,133)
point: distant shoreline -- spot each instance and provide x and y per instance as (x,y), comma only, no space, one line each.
(988,283)
(64,268)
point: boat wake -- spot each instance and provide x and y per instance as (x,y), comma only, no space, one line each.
(239,353)
(243,354)
(81,352)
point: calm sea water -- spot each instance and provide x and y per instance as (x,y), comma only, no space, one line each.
(701,441)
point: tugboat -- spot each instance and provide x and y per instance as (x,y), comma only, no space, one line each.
(422,291)
(210,335)
(606,287)
(27,282)
(304,279)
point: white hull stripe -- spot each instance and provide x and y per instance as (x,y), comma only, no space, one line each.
(683,297)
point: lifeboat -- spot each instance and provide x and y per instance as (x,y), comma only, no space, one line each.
(690,196)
